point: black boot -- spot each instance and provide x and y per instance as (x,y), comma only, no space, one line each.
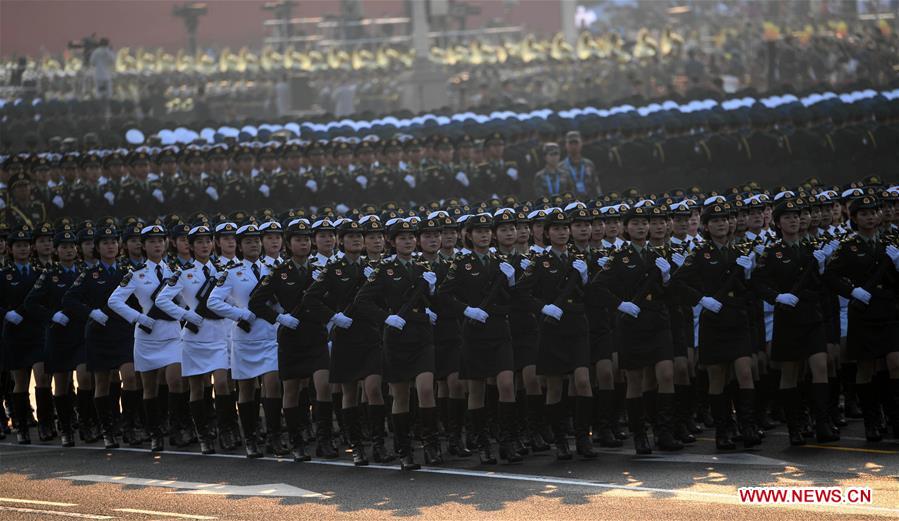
(850,391)
(376,418)
(64,411)
(273,444)
(602,428)
(429,429)
(824,430)
(506,416)
(353,426)
(721,412)
(403,441)
(559,419)
(682,414)
(154,424)
(226,420)
(535,419)
(131,403)
(833,403)
(249,420)
(455,420)
(323,446)
(583,412)
(200,415)
(894,407)
(638,426)
(703,401)
(763,396)
(871,411)
(43,397)
(293,419)
(790,400)
(748,429)
(482,439)
(88,424)
(664,426)
(107,422)
(619,407)
(21,413)
(180,425)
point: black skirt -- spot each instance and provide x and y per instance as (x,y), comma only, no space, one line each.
(644,341)
(721,345)
(525,350)
(353,361)
(447,358)
(601,347)
(486,358)
(64,348)
(561,352)
(870,339)
(792,342)
(404,360)
(302,352)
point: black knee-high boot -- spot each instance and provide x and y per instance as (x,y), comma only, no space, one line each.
(131,404)
(180,425)
(848,372)
(602,429)
(64,410)
(377,415)
(107,421)
(154,424)
(88,424)
(537,421)
(249,421)
(323,425)
(506,415)
(665,420)
(559,418)
(748,429)
(583,412)
(200,415)
(21,414)
(824,430)
(226,420)
(403,440)
(721,412)
(272,409)
(292,417)
(46,428)
(682,414)
(637,425)
(789,398)
(456,420)
(479,426)
(871,410)
(429,435)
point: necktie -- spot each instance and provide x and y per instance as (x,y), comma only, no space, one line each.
(564,258)
(256,271)
(205,273)
(158,273)
(24,272)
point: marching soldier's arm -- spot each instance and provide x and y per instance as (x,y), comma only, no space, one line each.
(447,294)
(117,301)
(35,301)
(601,286)
(835,274)
(527,289)
(218,301)
(314,300)
(165,300)
(687,281)
(260,298)
(763,282)
(370,301)
(74,303)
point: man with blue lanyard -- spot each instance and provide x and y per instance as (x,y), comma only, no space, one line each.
(554,179)
(581,170)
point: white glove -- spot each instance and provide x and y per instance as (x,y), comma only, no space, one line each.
(212,193)
(821,257)
(395,321)
(145,321)
(110,198)
(315,274)
(102,180)
(342,321)
(60,318)
(410,180)
(678,259)
(477,314)
(342,208)
(602,261)
(431,279)
(362,180)
(508,271)
(289,321)
(462,178)
(629,308)
(157,193)
(834,245)
(98,316)
(552,310)
(861,294)
(581,267)
(367,271)
(513,173)
(525,264)
(247,316)
(787,299)
(828,249)
(58,201)
(893,253)
(745,262)
(192,317)
(759,249)
(312,185)
(710,303)
(664,267)
(431,315)
(13,317)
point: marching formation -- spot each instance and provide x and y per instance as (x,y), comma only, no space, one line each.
(487,331)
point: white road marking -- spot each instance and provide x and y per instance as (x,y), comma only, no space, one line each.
(54,513)
(214,489)
(714,459)
(166,514)
(36,502)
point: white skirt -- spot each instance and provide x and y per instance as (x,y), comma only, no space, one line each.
(151,354)
(253,358)
(204,357)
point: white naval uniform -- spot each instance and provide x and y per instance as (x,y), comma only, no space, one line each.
(207,349)
(254,353)
(160,347)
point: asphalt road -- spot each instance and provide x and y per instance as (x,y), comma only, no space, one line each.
(44,481)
